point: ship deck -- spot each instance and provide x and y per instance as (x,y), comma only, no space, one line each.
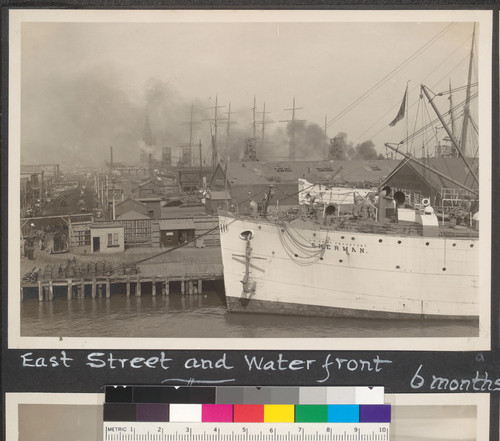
(350,224)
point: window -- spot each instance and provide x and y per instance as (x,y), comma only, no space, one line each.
(110,240)
(115,239)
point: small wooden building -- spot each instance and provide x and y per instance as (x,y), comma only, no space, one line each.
(175,232)
(107,238)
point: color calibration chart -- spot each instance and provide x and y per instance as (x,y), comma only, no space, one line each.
(230,413)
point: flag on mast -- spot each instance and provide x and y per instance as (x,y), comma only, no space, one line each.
(401,112)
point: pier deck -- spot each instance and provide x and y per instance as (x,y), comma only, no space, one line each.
(190,266)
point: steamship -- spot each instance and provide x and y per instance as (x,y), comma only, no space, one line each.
(353,253)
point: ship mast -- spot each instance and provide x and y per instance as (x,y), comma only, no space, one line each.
(291,154)
(467,96)
(213,134)
(450,134)
(263,123)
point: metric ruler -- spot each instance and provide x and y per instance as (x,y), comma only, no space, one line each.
(151,431)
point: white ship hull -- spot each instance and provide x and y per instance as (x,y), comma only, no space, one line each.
(352,275)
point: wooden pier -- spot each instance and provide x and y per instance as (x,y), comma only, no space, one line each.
(190,284)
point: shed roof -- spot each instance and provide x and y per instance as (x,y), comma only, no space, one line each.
(129,199)
(348,171)
(176,224)
(133,215)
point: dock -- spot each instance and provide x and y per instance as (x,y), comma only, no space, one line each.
(78,277)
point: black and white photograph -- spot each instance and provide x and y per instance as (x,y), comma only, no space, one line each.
(250,179)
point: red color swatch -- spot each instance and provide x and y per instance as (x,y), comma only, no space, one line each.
(248,413)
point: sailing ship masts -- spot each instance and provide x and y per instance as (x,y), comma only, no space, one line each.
(227,155)
(254,122)
(325,147)
(428,167)
(467,94)
(263,125)
(453,140)
(452,116)
(191,130)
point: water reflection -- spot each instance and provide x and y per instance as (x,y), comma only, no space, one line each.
(199,316)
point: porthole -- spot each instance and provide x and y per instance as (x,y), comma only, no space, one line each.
(340,260)
(341,237)
(246,235)
(472,245)
(353,238)
(444,269)
(397,266)
(399,242)
(454,245)
(427,244)
(380,240)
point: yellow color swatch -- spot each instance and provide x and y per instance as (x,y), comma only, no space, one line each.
(279,413)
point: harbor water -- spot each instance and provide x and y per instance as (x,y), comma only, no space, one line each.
(205,316)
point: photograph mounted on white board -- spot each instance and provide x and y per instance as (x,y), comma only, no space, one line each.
(235,175)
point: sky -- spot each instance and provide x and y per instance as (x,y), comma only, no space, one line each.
(88,85)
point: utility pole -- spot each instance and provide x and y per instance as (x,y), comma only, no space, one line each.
(291,154)
(263,123)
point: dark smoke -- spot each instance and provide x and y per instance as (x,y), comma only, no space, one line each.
(74,120)
(309,140)
(365,150)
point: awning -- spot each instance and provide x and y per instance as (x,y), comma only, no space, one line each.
(176,224)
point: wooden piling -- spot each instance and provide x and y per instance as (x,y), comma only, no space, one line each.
(108,289)
(82,289)
(40,291)
(99,289)
(70,289)
(22,294)
(183,287)
(128,286)
(166,287)
(138,290)
(94,288)
(153,287)
(200,286)
(51,290)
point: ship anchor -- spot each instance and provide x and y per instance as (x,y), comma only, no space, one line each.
(248,286)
